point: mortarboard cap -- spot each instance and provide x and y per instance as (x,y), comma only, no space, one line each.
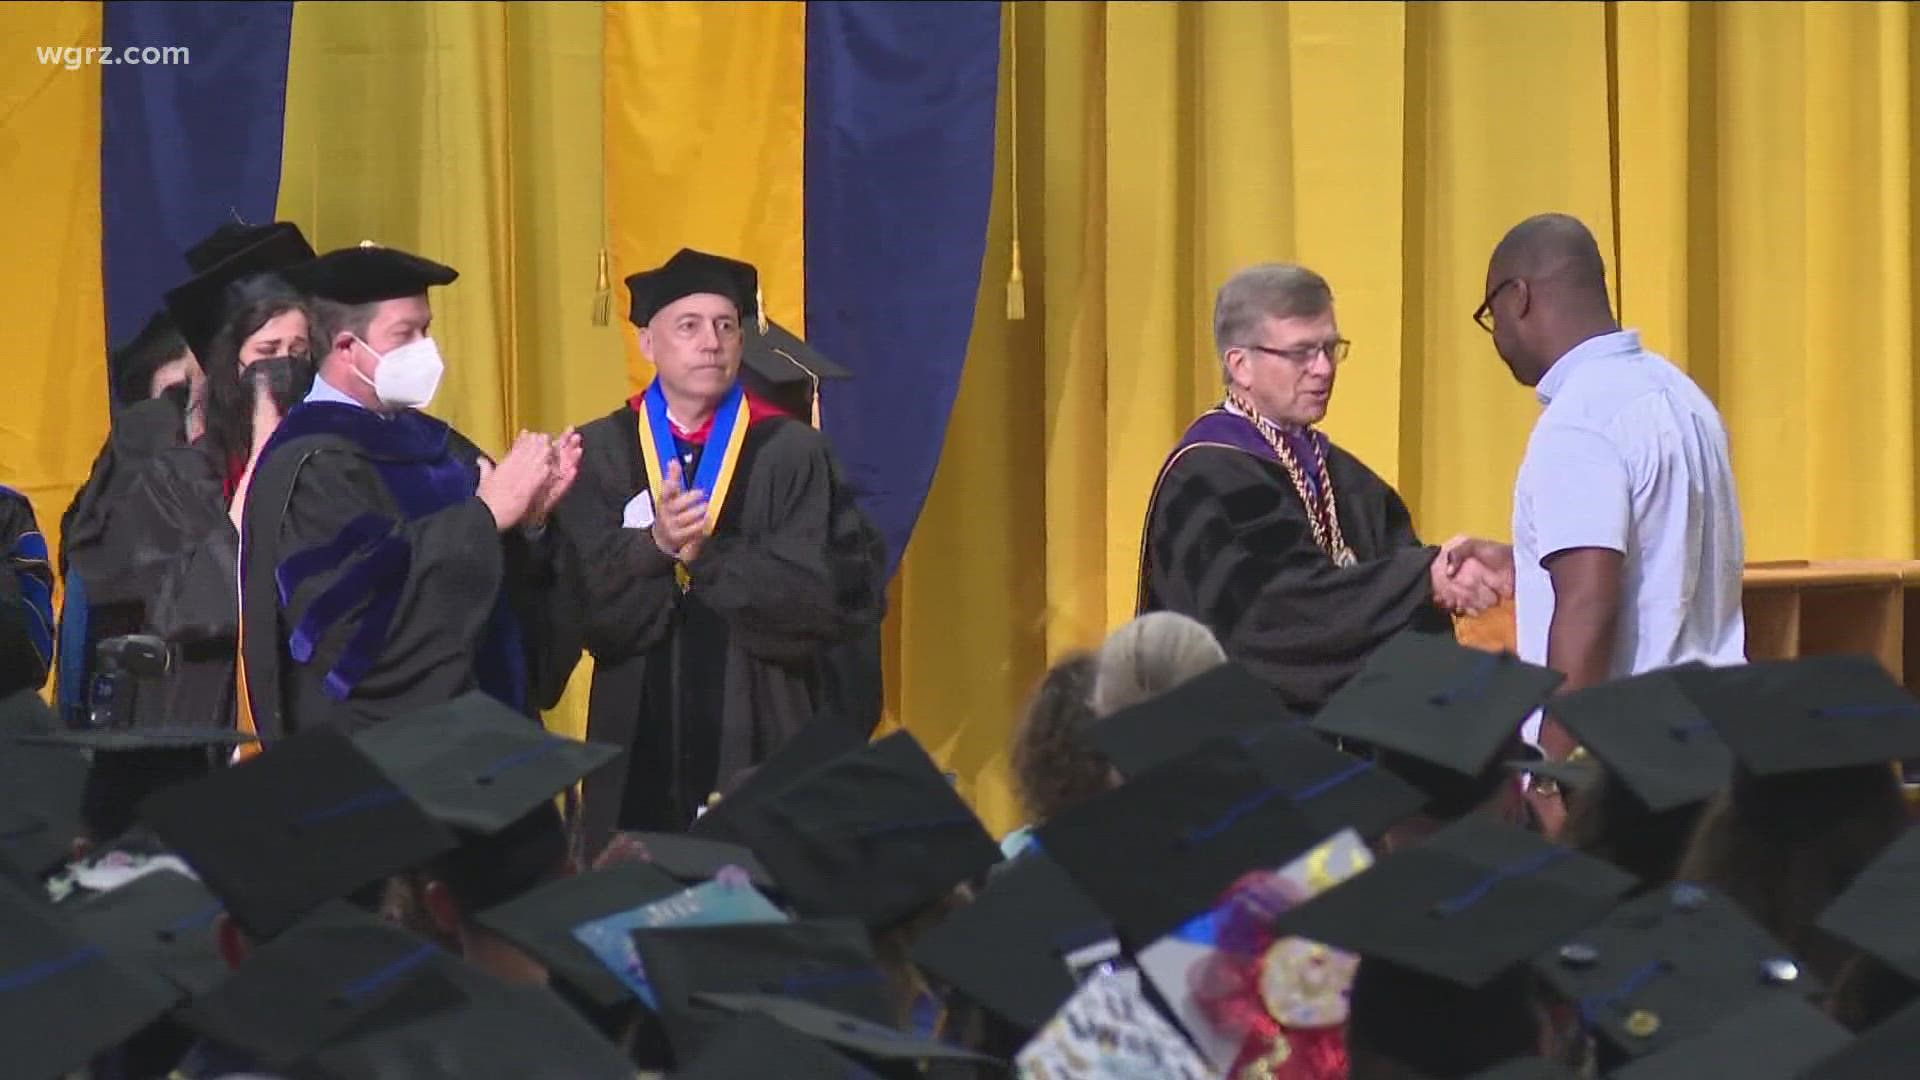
(164,919)
(689,272)
(230,238)
(1528,1068)
(1163,847)
(1772,1038)
(1809,714)
(1437,701)
(889,1051)
(279,834)
(1667,966)
(753,1045)
(1473,900)
(542,922)
(1888,1049)
(41,789)
(828,961)
(815,745)
(369,273)
(24,713)
(473,763)
(65,998)
(1332,789)
(782,359)
(1007,949)
(1651,735)
(1875,914)
(198,305)
(691,860)
(1227,700)
(876,835)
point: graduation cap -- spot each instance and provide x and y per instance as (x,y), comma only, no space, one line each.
(1667,966)
(1876,913)
(1770,1038)
(887,1050)
(751,1044)
(279,834)
(198,305)
(1889,1048)
(1528,1068)
(475,764)
(779,366)
(826,961)
(1436,701)
(1007,949)
(229,238)
(1163,847)
(164,919)
(41,790)
(1809,714)
(691,860)
(1474,900)
(876,834)
(542,922)
(64,997)
(1649,732)
(690,272)
(1332,789)
(1228,700)
(821,741)
(369,273)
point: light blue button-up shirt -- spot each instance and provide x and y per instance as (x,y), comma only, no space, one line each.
(1630,455)
(324,391)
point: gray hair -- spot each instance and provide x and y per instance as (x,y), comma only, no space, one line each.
(1149,656)
(1276,290)
(331,318)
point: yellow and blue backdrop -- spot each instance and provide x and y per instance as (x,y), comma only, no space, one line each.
(1747,167)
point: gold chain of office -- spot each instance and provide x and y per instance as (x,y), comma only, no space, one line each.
(1322,512)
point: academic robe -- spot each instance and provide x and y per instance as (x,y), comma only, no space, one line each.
(26,598)
(374,582)
(1228,541)
(165,552)
(700,684)
(140,432)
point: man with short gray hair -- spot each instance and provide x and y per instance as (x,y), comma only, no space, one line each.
(1297,556)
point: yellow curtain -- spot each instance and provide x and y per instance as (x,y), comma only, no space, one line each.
(469,133)
(705,140)
(50,291)
(1745,167)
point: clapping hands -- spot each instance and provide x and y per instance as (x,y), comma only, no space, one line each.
(679,517)
(535,474)
(1471,576)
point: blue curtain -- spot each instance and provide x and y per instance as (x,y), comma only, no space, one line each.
(901,104)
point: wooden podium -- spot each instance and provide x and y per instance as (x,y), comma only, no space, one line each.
(1800,609)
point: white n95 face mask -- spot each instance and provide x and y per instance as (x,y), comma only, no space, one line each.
(408,376)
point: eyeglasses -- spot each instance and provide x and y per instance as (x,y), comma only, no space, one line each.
(1484,313)
(1303,355)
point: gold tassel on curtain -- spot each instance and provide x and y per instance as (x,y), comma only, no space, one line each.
(1016,281)
(603,293)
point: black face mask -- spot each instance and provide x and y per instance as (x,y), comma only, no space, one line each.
(288,378)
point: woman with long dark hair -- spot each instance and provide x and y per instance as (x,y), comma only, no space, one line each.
(171,545)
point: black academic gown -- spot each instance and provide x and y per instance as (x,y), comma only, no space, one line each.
(701,684)
(1228,542)
(375,582)
(140,432)
(165,552)
(26,598)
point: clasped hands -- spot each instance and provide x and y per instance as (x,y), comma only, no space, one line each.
(1471,576)
(526,484)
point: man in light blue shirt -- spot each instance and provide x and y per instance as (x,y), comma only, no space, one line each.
(1627,543)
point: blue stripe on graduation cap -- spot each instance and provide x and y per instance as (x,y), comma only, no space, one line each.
(1590,1006)
(512,761)
(1202,834)
(35,974)
(372,799)
(1862,712)
(660,430)
(372,982)
(1532,864)
(1472,685)
(946,821)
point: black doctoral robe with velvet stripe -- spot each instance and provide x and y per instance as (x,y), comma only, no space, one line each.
(1228,542)
(375,582)
(700,684)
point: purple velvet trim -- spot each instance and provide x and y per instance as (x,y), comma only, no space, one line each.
(383,570)
(394,557)
(409,436)
(1220,426)
(298,567)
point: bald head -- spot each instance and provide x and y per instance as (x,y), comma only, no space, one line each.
(1553,283)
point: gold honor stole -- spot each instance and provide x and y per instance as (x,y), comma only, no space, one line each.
(714,476)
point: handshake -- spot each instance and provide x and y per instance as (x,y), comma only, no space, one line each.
(523,488)
(1471,576)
